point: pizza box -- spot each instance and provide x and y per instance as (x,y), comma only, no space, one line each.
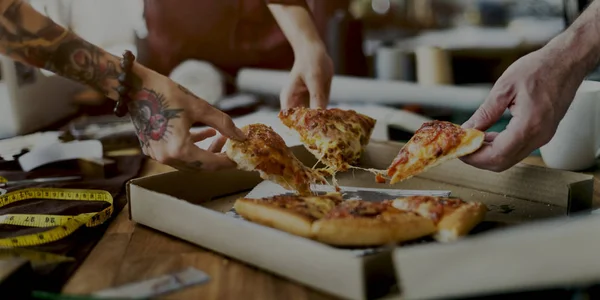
(198,208)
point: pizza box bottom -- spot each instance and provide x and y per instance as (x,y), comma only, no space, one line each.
(198,208)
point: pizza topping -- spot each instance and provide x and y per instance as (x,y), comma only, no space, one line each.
(432,207)
(313,208)
(335,136)
(433,143)
(265,151)
(358,208)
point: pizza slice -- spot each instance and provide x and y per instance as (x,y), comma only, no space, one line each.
(433,144)
(335,136)
(357,223)
(265,151)
(453,217)
(290,213)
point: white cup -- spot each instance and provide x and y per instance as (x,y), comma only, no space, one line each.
(576,143)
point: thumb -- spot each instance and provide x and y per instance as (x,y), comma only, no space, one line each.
(318,88)
(491,109)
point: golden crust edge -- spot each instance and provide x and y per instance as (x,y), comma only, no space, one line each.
(274,217)
(362,232)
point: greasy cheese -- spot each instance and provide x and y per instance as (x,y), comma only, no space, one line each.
(433,144)
(265,151)
(335,137)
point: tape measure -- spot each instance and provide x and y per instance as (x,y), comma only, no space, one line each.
(60,225)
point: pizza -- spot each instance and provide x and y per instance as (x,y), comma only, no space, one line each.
(336,137)
(453,217)
(434,143)
(290,213)
(358,223)
(265,151)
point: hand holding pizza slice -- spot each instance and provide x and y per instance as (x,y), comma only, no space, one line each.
(434,143)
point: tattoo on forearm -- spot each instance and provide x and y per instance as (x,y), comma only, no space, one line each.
(54,48)
(151,116)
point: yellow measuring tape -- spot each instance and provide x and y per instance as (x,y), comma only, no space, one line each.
(59,226)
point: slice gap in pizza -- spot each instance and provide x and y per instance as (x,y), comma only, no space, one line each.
(290,213)
(265,151)
(358,223)
(432,144)
(453,217)
(336,137)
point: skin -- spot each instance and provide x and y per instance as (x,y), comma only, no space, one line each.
(161,110)
(311,74)
(538,90)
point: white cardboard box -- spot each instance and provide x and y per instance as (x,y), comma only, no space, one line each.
(195,207)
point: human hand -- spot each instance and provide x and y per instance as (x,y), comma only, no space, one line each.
(537,89)
(310,79)
(163,112)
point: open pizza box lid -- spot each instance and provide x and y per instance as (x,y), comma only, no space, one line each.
(198,208)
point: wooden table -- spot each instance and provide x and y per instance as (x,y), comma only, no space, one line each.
(130,252)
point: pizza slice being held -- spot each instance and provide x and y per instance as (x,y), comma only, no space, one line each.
(265,151)
(453,217)
(292,214)
(357,223)
(335,136)
(433,144)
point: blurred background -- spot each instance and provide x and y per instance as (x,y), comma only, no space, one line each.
(431,58)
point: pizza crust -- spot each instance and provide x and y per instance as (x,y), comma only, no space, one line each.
(460,222)
(265,151)
(365,231)
(454,218)
(433,144)
(336,137)
(274,217)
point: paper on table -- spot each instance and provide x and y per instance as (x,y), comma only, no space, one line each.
(269,189)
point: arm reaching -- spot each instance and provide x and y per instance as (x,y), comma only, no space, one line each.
(310,77)
(29,37)
(162,110)
(538,90)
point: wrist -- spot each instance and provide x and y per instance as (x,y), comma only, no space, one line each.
(578,47)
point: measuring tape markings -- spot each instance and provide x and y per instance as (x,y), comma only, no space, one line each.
(63,225)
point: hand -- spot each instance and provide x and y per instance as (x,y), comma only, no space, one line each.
(537,89)
(163,113)
(310,79)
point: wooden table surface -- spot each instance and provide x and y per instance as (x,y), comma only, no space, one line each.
(129,253)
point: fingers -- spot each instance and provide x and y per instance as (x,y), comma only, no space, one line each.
(318,87)
(503,150)
(221,122)
(202,135)
(295,94)
(492,108)
(217,144)
(191,158)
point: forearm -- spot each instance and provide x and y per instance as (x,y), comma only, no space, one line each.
(32,38)
(578,47)
(297,24)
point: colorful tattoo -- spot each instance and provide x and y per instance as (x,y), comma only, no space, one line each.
(151,116)
(54,48)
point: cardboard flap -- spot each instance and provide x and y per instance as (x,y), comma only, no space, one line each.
(547,254)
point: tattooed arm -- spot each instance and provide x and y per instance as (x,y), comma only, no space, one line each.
(162,110)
